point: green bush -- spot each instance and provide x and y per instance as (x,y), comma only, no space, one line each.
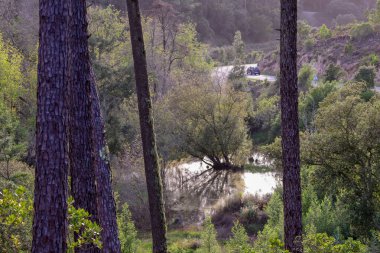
(88,232)
(305,77)
(333,73)
(309,44)
(371,60)
(16,207)
(209,243)
(366,74)
(348,48)
(304,29)
(239,242)
(127,231)
(362,31)
(324,32)
(322,243)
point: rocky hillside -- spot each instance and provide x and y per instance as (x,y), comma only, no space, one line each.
(341,49)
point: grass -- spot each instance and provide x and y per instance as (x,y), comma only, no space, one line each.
(185,241)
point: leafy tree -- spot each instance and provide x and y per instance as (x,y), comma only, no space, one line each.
(309,103)
(345,151)
(111,53)
(209,243)
(209,125)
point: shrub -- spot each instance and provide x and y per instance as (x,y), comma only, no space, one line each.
(305,77)
(127,231)
(209,244)
(304,29)
(239,242)
(324,32)
(371,60)
(16,207)
(333,73)
(348,48)
(362,31)
(309,44)
(366,74)
(322,243)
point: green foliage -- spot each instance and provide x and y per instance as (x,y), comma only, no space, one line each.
(127,231)
(349,48)
(16,210)
(239,47)
(265,119)
(305,77)
(344,150)
(322,243)
(309,44)
(374,15)
(366,74)
(327,217)
(239,242)
(371,60)
(361,31)
(324,32)
(209,244)
(12,143)
(205,122)
(333,73)
(304,30)
(87,232)
(309,103)
(111,56)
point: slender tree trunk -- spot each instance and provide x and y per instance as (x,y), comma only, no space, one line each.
(83,187)
(50,193)
(104,195)
(152,170)
(290,128)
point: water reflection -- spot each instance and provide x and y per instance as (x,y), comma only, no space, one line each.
(193,189)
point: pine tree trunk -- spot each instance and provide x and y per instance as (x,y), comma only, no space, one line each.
(290,128)
(50,194)
(104,195)
(152,170)
(83,187)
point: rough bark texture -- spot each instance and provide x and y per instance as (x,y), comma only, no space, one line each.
(104,195)
(83,187)
(290,128)
(152,170)
(50,206)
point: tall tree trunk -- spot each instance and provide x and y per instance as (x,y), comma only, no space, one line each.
(83,187)
(50,194)
(152,170)
(104,195)
(290,128)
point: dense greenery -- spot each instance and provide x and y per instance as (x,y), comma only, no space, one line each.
(221,122)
